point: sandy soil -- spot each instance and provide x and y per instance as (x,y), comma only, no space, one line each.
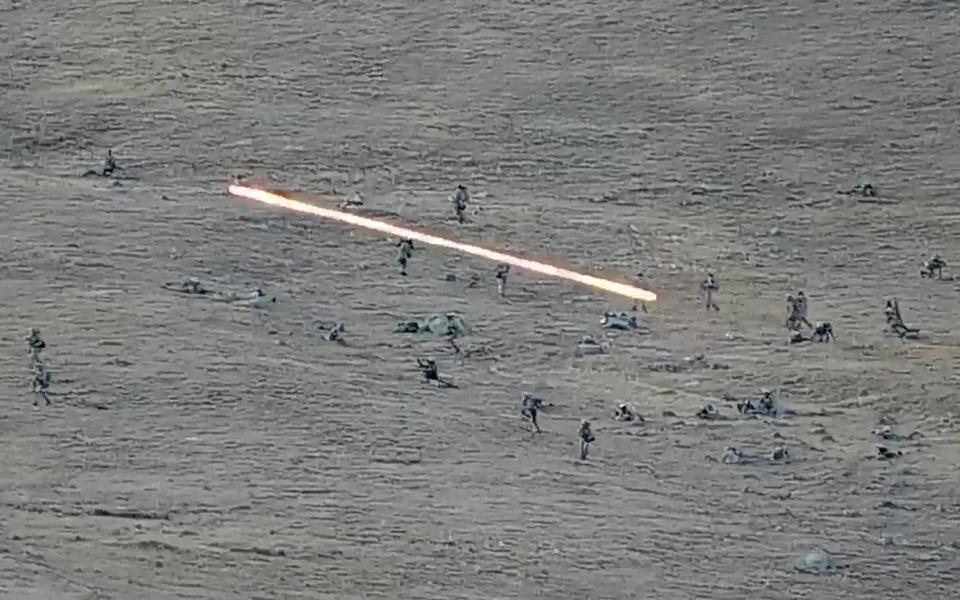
(664,137)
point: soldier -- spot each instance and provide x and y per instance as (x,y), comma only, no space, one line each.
(625,412)
(892,314)
(867,190)
(823,332)
(109,165)
(884,453)
(586,436)
(404,254)
(431,373)
(190,286)
(429,369)
(708,412)
(764,406)
(731,456)
(35,345)
(711,287)
(779,453)
(460,198)
(41,382)
(335,334)
(793,313)
(502,272)
(802,308)
(452,341)
(355,201)
(934,265)
(530,405)
(895,322)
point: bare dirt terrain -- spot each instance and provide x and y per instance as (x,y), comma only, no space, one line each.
(257,460)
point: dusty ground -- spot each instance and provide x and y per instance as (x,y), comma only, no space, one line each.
(666,137)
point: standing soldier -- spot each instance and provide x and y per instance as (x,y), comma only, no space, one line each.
(793,313)
(711,287)
(802,308)
(460,198)
(502,272)
(586,436)
(41,377)
(404,254)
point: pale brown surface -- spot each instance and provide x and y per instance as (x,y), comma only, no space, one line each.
(587,131)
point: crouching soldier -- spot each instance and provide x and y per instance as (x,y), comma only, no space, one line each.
(934,265)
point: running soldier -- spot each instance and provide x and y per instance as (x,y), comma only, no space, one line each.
(530,405)
(460,198)
(502,272)
(404,254)
(711,287)
(41,382)
(35,345)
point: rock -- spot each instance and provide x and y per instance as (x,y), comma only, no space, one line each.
(817,561)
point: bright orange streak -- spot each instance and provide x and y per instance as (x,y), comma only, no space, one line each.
(537,267)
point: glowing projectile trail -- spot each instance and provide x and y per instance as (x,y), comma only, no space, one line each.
(537,267)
